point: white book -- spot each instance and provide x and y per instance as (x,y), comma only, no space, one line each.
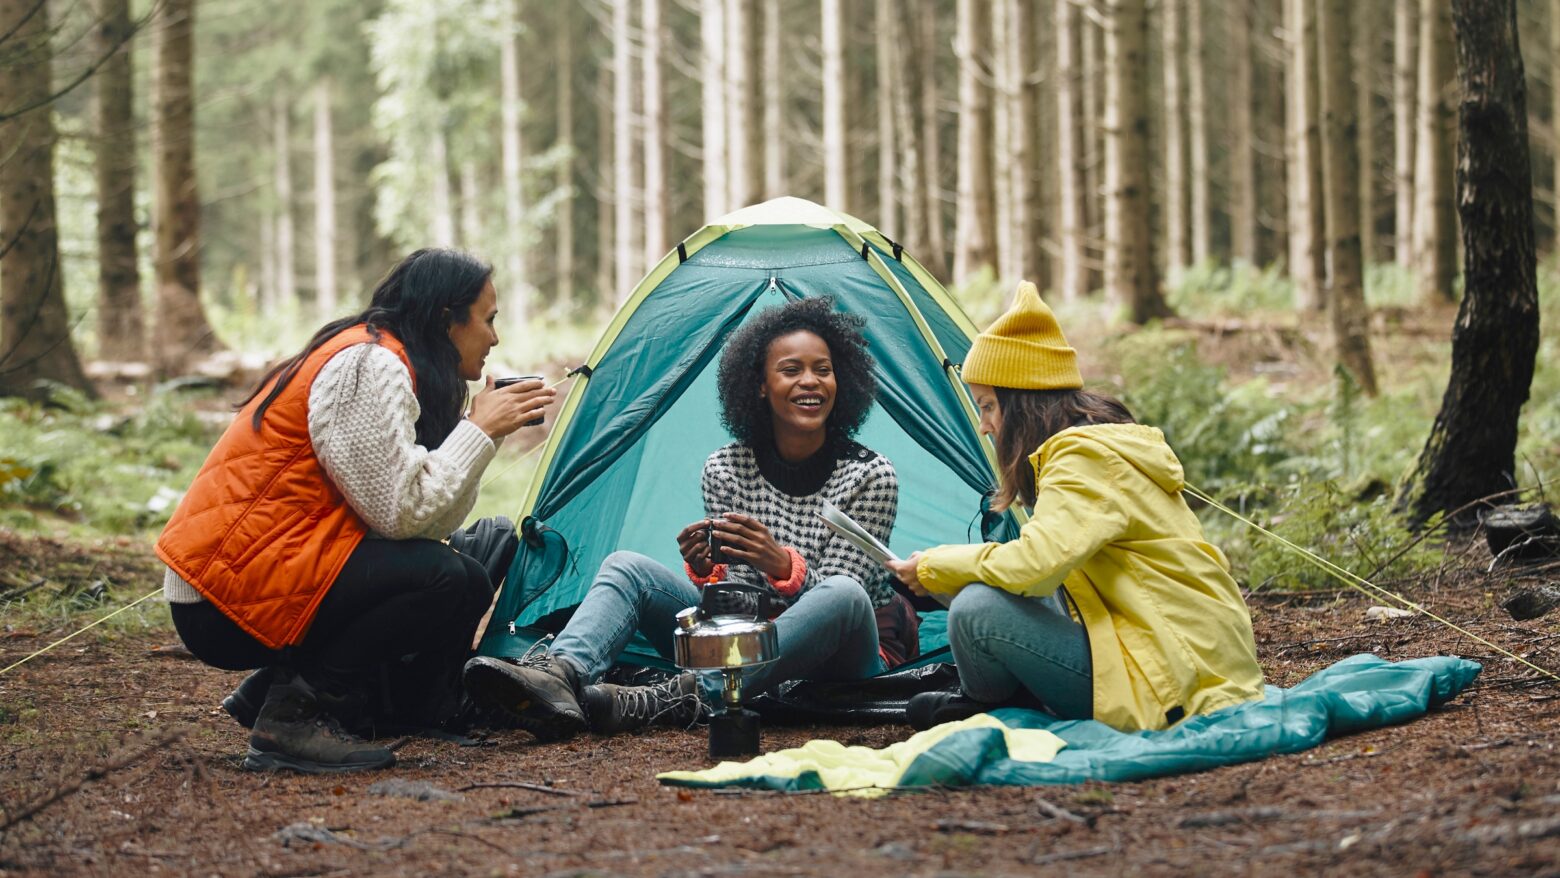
(855,534)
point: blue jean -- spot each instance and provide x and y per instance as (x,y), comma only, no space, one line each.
(1002,641)
(830,633)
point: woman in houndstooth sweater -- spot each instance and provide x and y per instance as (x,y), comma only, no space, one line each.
(795,385)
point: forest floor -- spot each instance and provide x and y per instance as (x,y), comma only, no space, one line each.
(115,759)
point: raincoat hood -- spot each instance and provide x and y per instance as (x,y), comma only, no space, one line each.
(1143,448)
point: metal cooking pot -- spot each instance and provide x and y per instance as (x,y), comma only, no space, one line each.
(723,642)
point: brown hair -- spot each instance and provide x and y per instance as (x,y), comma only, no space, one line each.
(1029,418)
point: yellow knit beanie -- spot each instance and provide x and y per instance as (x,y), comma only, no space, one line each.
(1024,349)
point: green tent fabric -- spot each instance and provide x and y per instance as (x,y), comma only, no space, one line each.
(621,468)
(1361,692)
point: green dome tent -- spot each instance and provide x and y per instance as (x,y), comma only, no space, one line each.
(621,468)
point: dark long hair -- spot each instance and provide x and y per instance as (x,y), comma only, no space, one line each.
(417,302)
(741,371)
(1029,417)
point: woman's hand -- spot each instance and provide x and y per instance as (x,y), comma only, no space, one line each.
(745,538)
(905,571)
(501,411)
(693,542)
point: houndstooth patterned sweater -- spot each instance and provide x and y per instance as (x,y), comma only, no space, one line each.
(863,485)
(362,424)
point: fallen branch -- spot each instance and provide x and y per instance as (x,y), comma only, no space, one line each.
(1057,811)
(1070,855)
(520,785)
(96,773)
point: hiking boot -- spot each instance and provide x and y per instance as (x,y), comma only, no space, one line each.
(929,709)
(294,732)
(244,704)
(674,702)
(540,691)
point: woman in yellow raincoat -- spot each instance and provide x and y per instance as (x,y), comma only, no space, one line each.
(1110,605)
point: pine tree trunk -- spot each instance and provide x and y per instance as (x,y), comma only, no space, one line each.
(1365,30)
(1340,174)
(712,76)
(1435,254)
(35,326)
(606,193)
(904,95)
(1554,111)
(517,285)
(563,258)
(1130,278)
(836,161)
(182,330)
(1032,49)
(1071,155)
(1197,125)
(1243,182)
(1004,144)
(744,139)
(442,200)
(885,20)
(1177,241)
(774,103)
(324,203)
(655,135)
(929,95)
(282,182)
(1092,38)
(1308,238)
(624,190)
(975,219)
(1470,453)
(469,189)
(1405,104)
(120,320)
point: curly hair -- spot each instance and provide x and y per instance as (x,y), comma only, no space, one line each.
(747,415)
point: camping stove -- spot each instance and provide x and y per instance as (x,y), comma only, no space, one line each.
(726,643)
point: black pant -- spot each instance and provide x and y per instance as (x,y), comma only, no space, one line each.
(392,600)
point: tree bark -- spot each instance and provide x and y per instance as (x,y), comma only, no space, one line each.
(745,142)
(903,95)
(183,332)
(1435,255)
(625,190)
(1340,173)
(929,95)
(324,203)
(35,343)
(512,145)
(1243,181)
(1006,146)
(1197,123)
(1365,31)
(1405,104)
(563,257)
(121,324)
(1130,276)
(443,200)
(1177,240)
(1071,154)
(655,135)
(1092,41)
(712,75)
(885,25)
(1308,236)
(282,182)
(975,219)
(774,103)
(1470,453)
(836,161)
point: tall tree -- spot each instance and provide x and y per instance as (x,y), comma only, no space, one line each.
(1308,233)
(512,145)
(1405,104)
(625,190)
(35,328)
(712,78)
(1243,180)
(1130,276)
(564,145)
(121,326)
(929,95)
(1435,254)
(1008,139)
(1197,125)
(443,200)
(286,256)
(324,202)
(183,332)
(1340,174)
(655,133)
(905,93)
(884,20)
(1071,153)
(774,102)
(836,159)
(1177,239)
(1365,30)
(745,140)
(975,215)
(1470,453)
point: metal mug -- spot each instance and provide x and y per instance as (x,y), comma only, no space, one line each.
(500,383)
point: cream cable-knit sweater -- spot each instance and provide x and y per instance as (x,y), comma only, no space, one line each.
(362,423)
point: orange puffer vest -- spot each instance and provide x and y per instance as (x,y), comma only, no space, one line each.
(263,531)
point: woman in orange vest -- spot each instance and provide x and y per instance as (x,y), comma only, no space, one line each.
(309,544)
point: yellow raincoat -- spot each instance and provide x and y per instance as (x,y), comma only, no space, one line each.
(1168,631)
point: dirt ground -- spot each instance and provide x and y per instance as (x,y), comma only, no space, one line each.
(121,742)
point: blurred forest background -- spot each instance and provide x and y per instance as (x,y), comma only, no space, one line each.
(1245,210)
